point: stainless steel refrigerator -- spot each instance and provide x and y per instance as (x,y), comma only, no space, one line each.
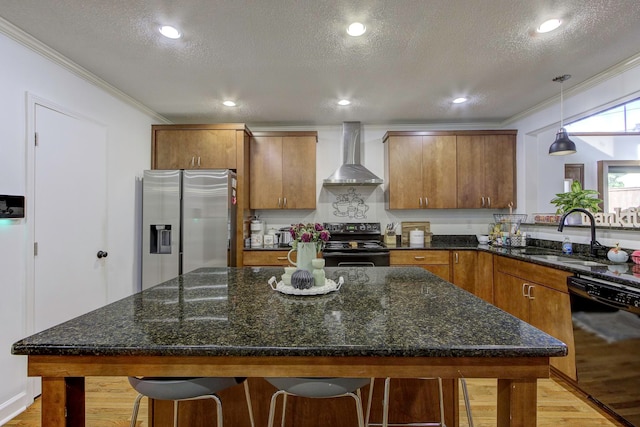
(188,222)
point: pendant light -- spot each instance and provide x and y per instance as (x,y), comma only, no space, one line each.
(562,145)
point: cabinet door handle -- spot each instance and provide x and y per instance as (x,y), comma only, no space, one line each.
(193,161)
(529,294)
(285,203)
(455,257)
(426,202)
(198,161)
(483,201)
(420,203)
(488,201)
(418,258)
(525,293)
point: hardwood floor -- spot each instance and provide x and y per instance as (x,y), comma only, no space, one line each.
(109,401)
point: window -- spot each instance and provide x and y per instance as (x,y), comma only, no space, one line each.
(622,118)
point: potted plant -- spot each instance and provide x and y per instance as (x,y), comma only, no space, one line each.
(576,198)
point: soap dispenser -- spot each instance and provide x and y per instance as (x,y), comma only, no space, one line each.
(567,247)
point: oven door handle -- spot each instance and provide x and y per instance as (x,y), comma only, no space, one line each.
(355,263)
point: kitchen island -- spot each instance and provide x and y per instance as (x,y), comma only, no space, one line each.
(400,322)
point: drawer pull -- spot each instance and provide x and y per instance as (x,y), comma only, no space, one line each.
(419,258)
(282,258)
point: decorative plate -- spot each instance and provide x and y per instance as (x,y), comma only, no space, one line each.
(329,286)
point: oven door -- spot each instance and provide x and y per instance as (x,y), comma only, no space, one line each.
(355,258)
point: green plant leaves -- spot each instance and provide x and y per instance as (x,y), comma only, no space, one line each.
(577,198)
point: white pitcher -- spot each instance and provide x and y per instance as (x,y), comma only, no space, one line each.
(306,252)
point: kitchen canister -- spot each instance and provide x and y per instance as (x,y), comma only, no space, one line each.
(416,238)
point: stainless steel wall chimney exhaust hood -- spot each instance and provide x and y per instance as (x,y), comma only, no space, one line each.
(352,172)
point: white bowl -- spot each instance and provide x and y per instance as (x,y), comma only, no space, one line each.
(483,239)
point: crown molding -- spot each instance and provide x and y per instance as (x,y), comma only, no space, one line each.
(56,57)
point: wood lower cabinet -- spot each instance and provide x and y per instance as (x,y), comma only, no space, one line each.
(538,295)
(283,170)
(266,258)
(473,271)
(486,170)
(195,146)
(436,261)
(419,174)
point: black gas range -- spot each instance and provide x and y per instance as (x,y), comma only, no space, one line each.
(355,244)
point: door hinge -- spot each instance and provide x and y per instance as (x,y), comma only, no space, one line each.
(35,248)
(35,139)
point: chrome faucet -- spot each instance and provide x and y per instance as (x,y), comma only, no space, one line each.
(594,245)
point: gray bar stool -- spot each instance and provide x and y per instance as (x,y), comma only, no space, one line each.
(317,388)
(441,423)
(179,389)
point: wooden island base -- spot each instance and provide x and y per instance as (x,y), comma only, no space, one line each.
(411,401)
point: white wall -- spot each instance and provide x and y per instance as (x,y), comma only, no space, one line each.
(24,71)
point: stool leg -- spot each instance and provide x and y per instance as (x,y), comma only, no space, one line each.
(442,424)
(175,413)
(284,407)
(385,403)
(467,404)
(272,406)
(366,421)
(136,407)
(249,405)
(358,400)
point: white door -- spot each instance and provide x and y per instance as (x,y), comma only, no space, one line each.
(69,211)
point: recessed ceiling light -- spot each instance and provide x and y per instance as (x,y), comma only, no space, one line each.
(229,103)
(170,32)
(356,29)
(460,100)
(344,102)
(549,25)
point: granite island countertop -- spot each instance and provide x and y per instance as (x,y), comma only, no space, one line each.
(378,311)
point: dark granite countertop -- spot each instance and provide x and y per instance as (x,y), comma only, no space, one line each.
(379,311)
(623,273)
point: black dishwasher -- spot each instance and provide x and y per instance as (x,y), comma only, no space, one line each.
(606,326)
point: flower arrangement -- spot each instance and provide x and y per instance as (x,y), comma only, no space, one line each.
(309,233)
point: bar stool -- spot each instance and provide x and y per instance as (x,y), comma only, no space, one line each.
(180,389)
(317,388)
(441,423)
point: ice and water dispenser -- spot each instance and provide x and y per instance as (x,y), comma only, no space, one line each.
(160,239)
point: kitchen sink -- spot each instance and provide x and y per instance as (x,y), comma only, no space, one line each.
(585,263)
(567,260)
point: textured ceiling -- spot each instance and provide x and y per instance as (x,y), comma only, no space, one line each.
(290,61)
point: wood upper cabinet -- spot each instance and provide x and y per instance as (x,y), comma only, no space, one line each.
(420,171)
(283,170)
(538,295)
(486,170)
(194,146)
(434,261)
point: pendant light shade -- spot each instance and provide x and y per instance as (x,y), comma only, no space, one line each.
(562,145)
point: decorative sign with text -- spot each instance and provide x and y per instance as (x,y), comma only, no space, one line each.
(629,217)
